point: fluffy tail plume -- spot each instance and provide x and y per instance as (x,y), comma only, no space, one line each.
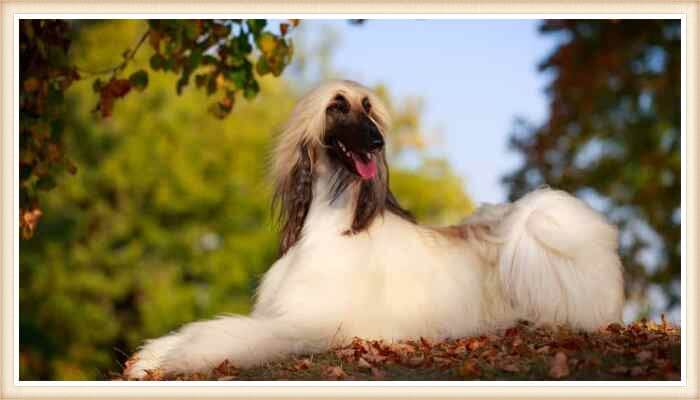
(558,261)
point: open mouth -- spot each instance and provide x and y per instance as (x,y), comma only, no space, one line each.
(365,163)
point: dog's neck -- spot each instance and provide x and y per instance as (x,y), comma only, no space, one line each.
(325,210)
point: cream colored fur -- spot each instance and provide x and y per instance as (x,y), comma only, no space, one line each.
(547,257)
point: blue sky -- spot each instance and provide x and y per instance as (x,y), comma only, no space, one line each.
(474,76)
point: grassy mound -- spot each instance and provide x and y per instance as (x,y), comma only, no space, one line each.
(643,350)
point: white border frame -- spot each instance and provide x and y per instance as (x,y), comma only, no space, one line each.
(626,384)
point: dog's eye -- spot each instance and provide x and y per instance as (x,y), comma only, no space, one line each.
(339,104)
(366,105)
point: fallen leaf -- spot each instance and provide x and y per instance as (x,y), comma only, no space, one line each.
(375,358)
(473,344)
(304,363)
(470,368)
(335,372)
(345,354)
(644,355)
(362,363)
(543,349)
(510,367)
(416,361)
(559,367)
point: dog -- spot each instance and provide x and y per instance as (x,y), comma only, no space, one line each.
(354,263)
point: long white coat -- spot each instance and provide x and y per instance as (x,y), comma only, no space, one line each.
(548,258)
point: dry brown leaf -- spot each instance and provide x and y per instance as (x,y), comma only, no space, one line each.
(304,363)
(375,358)
(559,367)
(335,372)
(543,349)
(512,367)
(402,348)
(644,355)
(470,368)
(416,361)
(362,363)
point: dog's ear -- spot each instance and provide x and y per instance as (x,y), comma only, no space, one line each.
(393,206)
(292,197)
(390,201)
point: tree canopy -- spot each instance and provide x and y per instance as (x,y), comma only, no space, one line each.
(223,56)
(167,218)
(613,137)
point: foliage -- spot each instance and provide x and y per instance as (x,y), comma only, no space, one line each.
(225,56)
(167,219)
(642,350)
(613,136)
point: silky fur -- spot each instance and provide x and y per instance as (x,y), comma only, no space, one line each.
(548,258)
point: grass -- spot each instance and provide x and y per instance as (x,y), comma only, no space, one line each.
(644,350)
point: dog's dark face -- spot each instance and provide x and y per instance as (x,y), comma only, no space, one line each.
(352,149)
(352,139)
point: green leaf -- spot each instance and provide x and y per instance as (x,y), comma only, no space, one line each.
(262,67)
(251,90)
(209,60)
(238,76)
(97,85)
(195,58)
(139,80)
(211,84)
(157,61)
(241,44)
(256,25)
(200,80)
(190,30)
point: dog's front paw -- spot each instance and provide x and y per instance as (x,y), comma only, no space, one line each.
(148,363)
(139,368)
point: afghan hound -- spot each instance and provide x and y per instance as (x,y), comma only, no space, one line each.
(354,263)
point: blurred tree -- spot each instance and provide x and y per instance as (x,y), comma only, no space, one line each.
(222,55)
(167,219)
(613,137)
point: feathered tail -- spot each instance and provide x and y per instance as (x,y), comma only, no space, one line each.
(557,260)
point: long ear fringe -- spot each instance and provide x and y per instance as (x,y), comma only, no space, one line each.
(292,199)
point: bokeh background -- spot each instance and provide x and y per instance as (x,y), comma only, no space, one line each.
(167,217)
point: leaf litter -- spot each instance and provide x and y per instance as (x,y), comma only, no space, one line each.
(643,350)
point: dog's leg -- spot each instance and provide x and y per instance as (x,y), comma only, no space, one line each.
(202,346)
(150,356)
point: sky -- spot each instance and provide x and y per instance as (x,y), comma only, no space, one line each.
(474,77)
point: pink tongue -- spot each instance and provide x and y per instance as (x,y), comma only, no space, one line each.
(367,170)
